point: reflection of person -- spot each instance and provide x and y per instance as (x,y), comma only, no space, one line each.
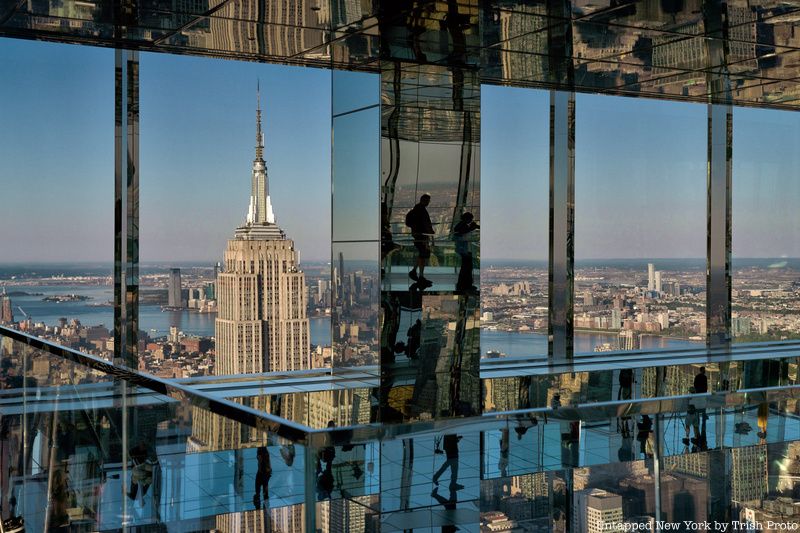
(692,421)
(448,503)
(625,393)
(504,448)
(451,462)
(288,453)
(625,452)
(625,384)
(701,382)
(263,474)
(325,455)
(414,339)
(701,387)
(142,472)
(643,436)
(461,230)
(419,221)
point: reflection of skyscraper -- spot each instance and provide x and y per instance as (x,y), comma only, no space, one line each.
(261,321)
(628,340)
(6,310)
(174,288)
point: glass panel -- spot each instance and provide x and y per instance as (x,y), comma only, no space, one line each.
(235,217)
(87,450)
(766,243)
(356,217)
(355,313)
(430,172)
(515,185)
(431,482)
(640,271)
(429,363)
(57,168)
(355,171)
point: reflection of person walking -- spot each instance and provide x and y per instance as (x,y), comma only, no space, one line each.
(263,474)
(451,453)
(419,221)
(462,230)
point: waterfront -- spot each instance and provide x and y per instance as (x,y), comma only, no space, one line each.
(515,344)
(152,320)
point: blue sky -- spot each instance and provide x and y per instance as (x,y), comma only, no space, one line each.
(640,164)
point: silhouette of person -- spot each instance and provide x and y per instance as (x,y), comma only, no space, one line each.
(451,462)
(419,221)
(263,474)
(625,393)
(414,339)
(645,428)
(462,230)
(701,382)
(325,475)
(625,384)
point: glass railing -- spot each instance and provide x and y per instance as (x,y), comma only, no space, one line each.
(86,445)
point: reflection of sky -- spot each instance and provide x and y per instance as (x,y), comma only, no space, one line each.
(638,162)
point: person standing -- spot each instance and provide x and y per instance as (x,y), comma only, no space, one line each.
(419,221)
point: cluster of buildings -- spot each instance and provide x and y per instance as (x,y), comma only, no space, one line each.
(617,301)
(356,292)
(202,299)
(621,497)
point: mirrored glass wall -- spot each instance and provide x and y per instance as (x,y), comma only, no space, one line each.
(214,156)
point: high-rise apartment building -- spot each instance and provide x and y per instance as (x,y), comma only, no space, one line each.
(174,289)
(261,323)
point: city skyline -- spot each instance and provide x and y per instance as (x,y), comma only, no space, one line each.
(193,179)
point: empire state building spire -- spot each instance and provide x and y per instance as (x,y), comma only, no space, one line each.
(259,134)
(260,209)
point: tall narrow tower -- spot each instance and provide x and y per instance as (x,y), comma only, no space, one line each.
(261,321)
(260,205)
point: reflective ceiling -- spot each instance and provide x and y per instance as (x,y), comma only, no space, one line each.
(742,52)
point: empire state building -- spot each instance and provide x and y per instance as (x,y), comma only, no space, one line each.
(261,323)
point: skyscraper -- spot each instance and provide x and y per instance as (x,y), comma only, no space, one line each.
(261,321)
(657,282)
(651,277)
(175,290)
(6,310)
